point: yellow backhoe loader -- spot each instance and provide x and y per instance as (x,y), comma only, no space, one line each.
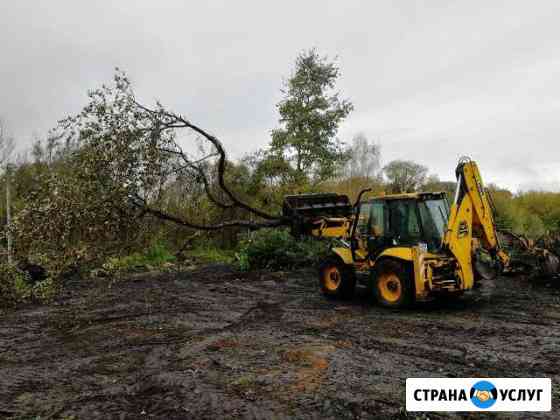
(404,247)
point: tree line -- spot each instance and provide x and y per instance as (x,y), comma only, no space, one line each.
(117,176)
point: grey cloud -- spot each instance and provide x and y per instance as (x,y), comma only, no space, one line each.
(430,81)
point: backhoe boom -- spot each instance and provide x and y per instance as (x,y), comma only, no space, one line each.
(471,214)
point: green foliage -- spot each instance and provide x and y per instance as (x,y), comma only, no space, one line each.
(158,254)
(211,255)
(353,186)
(277,250)
(16,287)
(532,213)
(310,114)
(544,205)
(78,209)
(304,151)
(156,257)
(433,184)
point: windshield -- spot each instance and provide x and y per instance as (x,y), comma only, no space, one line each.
(434,215)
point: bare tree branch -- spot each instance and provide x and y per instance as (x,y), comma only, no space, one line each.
(145,209)
(221,168)
(167,120)
(201,174)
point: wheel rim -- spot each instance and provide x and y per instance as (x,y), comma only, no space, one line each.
(331,278)
(390,287)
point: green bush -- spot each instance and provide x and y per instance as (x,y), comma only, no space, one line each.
(277,249)
(156,256)
(529,213)
(16,287)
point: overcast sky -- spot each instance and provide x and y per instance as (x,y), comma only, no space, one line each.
(429,83)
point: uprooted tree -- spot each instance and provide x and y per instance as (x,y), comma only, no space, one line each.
(116,162)
(119,167)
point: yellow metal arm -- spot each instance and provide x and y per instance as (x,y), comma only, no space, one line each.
(471,215)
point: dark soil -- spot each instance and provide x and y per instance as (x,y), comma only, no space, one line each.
(215,343)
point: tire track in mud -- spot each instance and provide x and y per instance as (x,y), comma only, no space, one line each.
(214,343)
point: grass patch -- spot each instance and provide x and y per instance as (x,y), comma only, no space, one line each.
(155,257)
(212,255)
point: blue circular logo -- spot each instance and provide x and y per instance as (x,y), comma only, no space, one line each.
(484,394)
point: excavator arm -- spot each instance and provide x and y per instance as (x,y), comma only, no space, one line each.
(471,215)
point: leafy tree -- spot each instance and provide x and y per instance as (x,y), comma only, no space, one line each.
(310,114)
(364,158)
(405,175)
(434,184)
(544,205)
(272,178)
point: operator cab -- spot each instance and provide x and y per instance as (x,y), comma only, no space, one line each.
(403,220)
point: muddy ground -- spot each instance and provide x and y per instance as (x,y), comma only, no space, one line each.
(215,343)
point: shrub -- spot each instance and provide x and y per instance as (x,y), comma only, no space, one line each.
(156,256)
(211,255)
(16,286)
(277,249)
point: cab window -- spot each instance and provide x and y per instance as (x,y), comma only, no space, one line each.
(403,221)
(372,219)
(363,219)
(377,218)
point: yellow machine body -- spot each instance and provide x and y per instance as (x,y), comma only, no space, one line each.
(422,264)
(445,269)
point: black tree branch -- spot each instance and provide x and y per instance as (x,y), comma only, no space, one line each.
(166,120)
(141,204)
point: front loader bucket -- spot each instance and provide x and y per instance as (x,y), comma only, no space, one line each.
(307,210)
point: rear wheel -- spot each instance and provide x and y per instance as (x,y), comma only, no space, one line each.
(336,278)
(392,284)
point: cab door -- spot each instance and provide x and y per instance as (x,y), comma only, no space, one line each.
(404,225)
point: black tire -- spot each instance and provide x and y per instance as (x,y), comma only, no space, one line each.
(336,279)
(392,284)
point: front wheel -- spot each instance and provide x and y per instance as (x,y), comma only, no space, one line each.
(392,284)
(336,279)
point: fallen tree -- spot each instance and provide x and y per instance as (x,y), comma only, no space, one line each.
(113,166)
(163,120)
